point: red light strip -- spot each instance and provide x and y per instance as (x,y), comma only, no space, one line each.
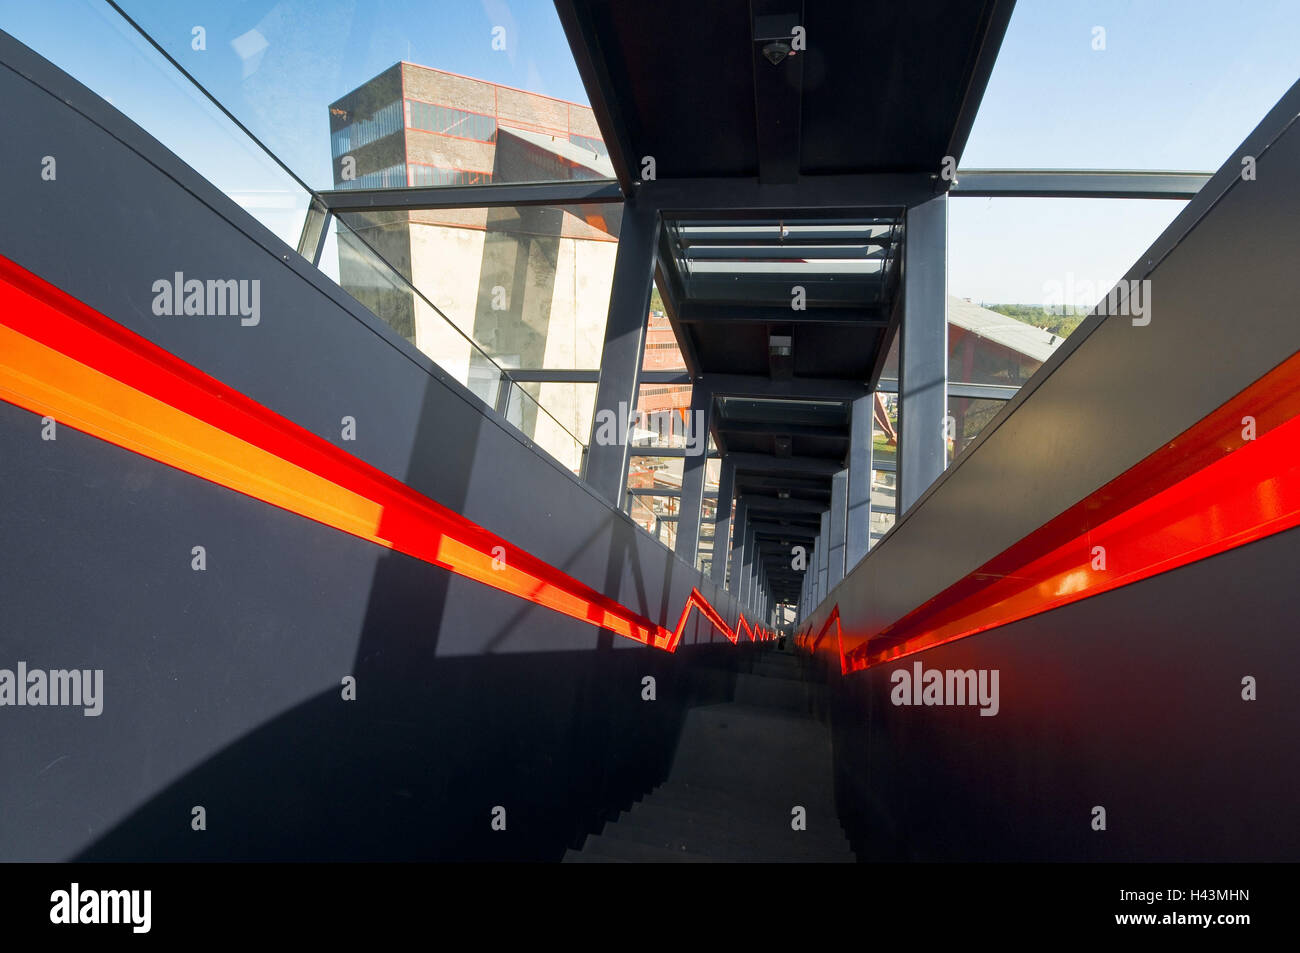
(695,600)
(62,359)
(1209,490)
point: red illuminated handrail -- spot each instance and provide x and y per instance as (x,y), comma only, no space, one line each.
(1230,479)
(61,359)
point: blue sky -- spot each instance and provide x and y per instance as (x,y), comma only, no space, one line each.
(1178,86)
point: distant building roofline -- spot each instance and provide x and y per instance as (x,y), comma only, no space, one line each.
(1019,336)
(487,82)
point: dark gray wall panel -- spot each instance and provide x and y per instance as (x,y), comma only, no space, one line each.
(1130,700)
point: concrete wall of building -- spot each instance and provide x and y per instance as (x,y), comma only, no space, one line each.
(222,687)
(556,296)
(360,246)
(446,265)
(446,152)
(361,104)
(554,266)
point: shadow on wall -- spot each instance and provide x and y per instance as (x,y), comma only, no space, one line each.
(413,769)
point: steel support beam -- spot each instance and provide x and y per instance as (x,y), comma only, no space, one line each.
(694,468)
(747,570)
(773,504)
(754,482)
(823,558)
(736,565)
(641,451)
(827,290)
(997,14)
(767,427)
(663,491)
(794,388)
(601,88)
(858,513)
(695,312)
(777,529)
(620,361)
(573,192)
(836,525)
(315,230)
(996,183)
(542,375)
(763,463)
(923,351)
(844,195)
(889,385)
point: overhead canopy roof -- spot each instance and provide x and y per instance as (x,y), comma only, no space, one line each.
(881,86)
(786,313)
(819,288)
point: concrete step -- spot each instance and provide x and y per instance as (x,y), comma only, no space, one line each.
(736,838)
(601,849)
(673,812)
(730,811)
(755,752)
(790,847)
(739,770)
(772,669)
(784,693)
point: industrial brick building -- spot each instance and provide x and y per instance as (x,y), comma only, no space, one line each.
(528,285)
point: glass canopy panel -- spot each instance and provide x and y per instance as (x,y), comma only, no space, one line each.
(969,416)
(392,93)
(1042,264)
(662,352)
(660,418)
(1163,84)
(835,261)
(1023,273)
(529,284)
(95,45)
(549,414)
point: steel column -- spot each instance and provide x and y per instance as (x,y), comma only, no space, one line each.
(620,361)
(737,549)
(823,557)
(747,569)
(838,520)
(858,512)
(923,352)
(694,469)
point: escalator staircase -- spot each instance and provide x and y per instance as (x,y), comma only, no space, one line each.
(740,772)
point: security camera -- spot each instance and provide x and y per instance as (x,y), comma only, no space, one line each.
(776,51)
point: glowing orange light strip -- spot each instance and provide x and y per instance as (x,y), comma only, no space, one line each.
(63,360)
(1215,487)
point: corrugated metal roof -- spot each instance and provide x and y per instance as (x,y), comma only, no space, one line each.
(1035,343)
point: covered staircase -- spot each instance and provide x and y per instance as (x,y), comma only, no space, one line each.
(741,771)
